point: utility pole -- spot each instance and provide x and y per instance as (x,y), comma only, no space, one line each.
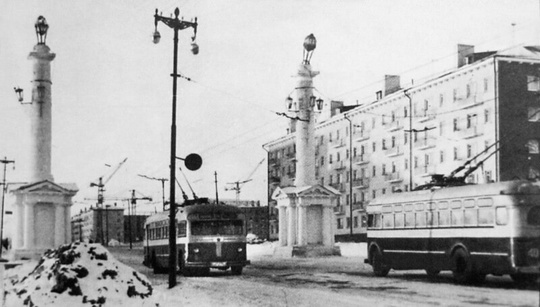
(5,161)
(217,198)
(410,141)
(177,25)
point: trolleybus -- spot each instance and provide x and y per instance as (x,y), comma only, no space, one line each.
(208,236)
(472,230)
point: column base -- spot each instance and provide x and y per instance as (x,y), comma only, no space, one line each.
(306,251)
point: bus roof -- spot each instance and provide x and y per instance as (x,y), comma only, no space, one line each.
(516,187)
(184,211)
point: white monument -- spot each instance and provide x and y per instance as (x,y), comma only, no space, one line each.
(306,214)
(42,207)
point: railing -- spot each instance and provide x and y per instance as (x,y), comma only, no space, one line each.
(393,177)
(360,136)
(361,183)
(425,116)
(339,209)
(361,159)
(424,143)
(470,132)
(394,151)
(393,126)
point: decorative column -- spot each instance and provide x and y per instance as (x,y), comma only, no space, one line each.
(29,226)
(291,231)
(302,224)
(282,225)
(59,230)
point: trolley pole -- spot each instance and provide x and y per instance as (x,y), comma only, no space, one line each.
(5,161)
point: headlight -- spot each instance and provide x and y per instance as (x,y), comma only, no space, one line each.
(533,253)
(240,249)
(195,250)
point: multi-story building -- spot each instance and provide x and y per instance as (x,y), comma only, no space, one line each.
(485,114)
(98,225)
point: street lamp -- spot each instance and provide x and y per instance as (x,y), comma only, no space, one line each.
(350,176)
(177,25)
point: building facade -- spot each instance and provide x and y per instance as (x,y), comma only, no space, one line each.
(98,225)
(483,116)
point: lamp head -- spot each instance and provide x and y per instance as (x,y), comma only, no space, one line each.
(41,30)
(194,48)
(156,37)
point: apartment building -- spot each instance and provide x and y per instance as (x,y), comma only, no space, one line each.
(484,115)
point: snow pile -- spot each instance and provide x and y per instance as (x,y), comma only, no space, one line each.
(77,274)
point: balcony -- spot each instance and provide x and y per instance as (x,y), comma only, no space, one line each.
(361,159)
(393,177)
(339,210)
(394,151)
(425,170)
(338,143)
(425,116)
(425,143)
(394,126)
(338,186)
(361,136)
(464,102)
(359,205)
(340,165)
(470,132)
(361,183)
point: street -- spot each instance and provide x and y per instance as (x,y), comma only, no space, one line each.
(340,281)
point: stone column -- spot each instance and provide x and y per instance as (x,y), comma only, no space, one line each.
(19,235)
(282,226)
(67,219)
(29,226)
(58,224)
(328,230)
(40,114)
(291,236)
(302,225)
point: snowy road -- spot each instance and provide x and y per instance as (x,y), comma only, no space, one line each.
(333,281)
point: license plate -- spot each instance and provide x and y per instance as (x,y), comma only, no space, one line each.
(219,263)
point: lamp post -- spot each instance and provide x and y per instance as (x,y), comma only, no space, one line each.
(177,25)
(5,161)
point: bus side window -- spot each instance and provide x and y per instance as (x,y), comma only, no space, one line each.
(409,219)
(388,220)
(399,220)
(182,229)
(377,223)
(471,217)
(485,216)
(421,219)
(501,215)
(444,218)
(457,217)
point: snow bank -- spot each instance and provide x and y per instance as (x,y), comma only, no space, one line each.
(77,274)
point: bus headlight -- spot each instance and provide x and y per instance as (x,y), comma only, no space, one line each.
(533,253)
(195,250)
(240,249)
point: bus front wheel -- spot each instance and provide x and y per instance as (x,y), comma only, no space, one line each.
(463,269)
(236,270)
(380,269)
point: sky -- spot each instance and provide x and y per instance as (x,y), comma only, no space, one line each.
(112,90)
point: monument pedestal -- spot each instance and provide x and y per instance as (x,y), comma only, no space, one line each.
(306,221)
(43,218)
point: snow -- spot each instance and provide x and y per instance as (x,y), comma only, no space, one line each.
(76,274)
(60,279)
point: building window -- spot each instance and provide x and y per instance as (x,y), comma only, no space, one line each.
(415,162)
(532,146)
(339,224)
(393,141)
(441,100)
(356,222)
(441,155)
(393,116)
(405,112)
(454,95)
(373,194)
(330,159)
(322,160)
(455,153)
(322,181)
(468,90)
(384,144)
(406,164)
(441,125)
(383,191)
(469,150)
(338,157)
(489,176)
(486,85)
(486,115)
(374,171)
(354,152)
(337,135)
(330,137)
(426,158)
(470,120)
(348,222)
(322,139)
(374,146)
(393,167)
(384,169)
(330,179)
(456,124)
(338,178)
(533,83)
(533,114)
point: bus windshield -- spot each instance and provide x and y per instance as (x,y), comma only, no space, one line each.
(213,228)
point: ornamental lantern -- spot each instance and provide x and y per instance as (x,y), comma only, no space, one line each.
(309,45)
(41,30)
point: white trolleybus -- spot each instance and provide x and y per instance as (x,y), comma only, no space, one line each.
(208,236)
(472,230)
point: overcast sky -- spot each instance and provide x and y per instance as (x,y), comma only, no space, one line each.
(112,91)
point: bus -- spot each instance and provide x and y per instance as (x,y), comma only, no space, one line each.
(471,230)
(208,236)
